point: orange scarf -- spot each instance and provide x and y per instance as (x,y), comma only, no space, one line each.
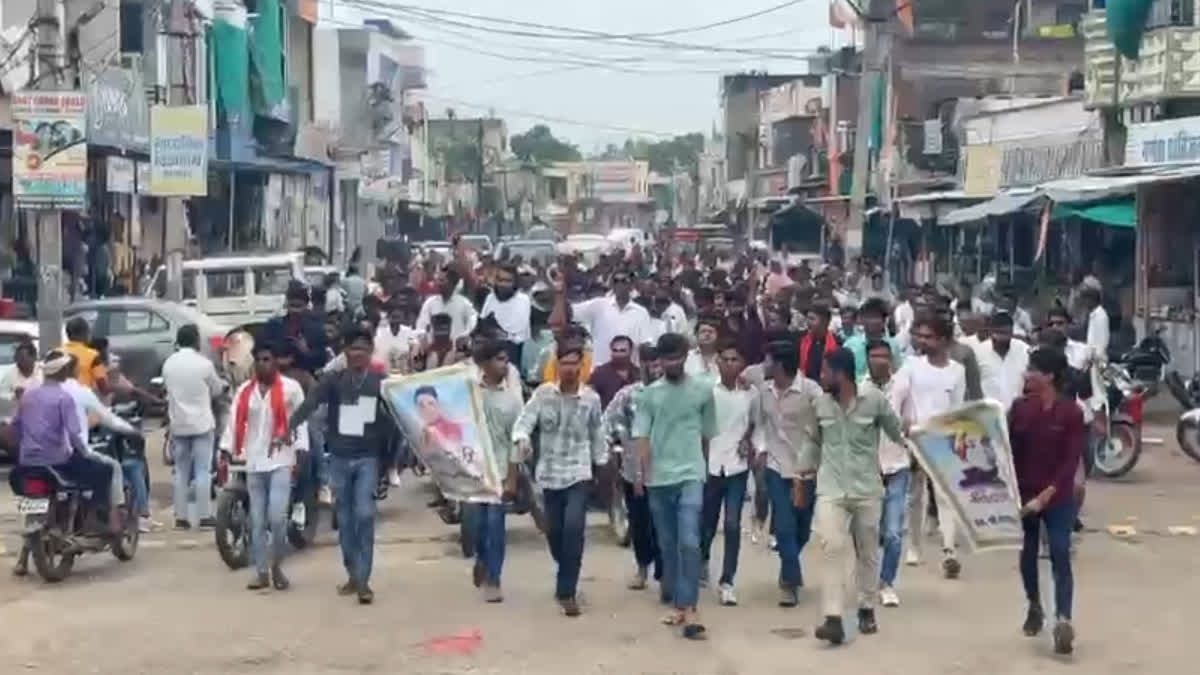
(241,415)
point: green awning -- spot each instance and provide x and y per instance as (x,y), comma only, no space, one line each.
(1122,213)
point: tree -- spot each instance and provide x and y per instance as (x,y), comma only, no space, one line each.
(539,145)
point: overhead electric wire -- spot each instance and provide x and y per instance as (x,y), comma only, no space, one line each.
(718,24)
(569,34)
(548,118)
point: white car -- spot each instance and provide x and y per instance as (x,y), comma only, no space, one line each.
(628,237)
(238,290)
(12,333)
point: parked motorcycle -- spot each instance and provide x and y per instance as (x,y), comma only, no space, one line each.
(232,530)
(1187,430)
(61,520)
(1146,363)
(1118,450)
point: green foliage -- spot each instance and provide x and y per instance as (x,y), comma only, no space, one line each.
(540,146)
(680,153)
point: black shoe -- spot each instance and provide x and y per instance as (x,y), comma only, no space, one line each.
(365,595)
(478,574)
(259,582)
(279,579)
(1064,636)
(1078,526)
(182,524)
(208,523)
(347,589)
(1034,620)
(831,631)
(866,622)
(951,567)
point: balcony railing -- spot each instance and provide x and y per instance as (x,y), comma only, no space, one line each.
(1168,66)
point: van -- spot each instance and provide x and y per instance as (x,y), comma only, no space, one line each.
(238,290)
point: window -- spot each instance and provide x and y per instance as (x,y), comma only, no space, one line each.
(272,280)
(134,321)
(8,346)
(189,284)
(226,283)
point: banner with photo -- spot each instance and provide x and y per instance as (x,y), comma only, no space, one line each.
(441,414)
(49,148)
(967,455)
(179,151)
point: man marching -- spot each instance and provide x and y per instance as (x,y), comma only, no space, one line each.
(257,435)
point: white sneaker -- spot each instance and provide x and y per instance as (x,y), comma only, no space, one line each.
(727,596)
(325,495)
(888,597)
(912,558)
(772,544)
(394,477)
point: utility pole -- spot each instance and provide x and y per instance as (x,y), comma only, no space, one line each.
(479,182)
(876,51)
(170,61)
(48,60)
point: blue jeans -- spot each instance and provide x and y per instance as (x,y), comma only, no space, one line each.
(730,492)
(1059,520)
(676,512)
(135,478)
(892,525)
(489,539)
(193,457)
(793,526)
(566,517)
(270,492)
(353,480)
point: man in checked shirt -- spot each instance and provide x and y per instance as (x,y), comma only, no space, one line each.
(570,421)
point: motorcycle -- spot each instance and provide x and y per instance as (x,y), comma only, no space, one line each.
(1118,450)
(1187,430)
(61,520)
(1146,363)
(232,530)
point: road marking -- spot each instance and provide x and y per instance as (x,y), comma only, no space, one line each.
(1122,531)
(1182,531)
(152,544)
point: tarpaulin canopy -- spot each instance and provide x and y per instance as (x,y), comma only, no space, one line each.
(1000,205)
(1126,20)
(1121,213)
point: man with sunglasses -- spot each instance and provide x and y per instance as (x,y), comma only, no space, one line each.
(611,315)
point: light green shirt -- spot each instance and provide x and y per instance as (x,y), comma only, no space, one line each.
(847,454)
(501,406)
(677,418)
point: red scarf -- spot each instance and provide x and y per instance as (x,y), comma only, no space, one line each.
(241,415)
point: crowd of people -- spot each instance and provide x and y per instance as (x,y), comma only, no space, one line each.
(697,379)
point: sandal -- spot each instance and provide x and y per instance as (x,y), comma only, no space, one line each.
(673,619)
(695,631)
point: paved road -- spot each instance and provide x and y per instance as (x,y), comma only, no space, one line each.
(176,609)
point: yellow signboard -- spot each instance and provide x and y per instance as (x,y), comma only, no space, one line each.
(984,164)
(179,151)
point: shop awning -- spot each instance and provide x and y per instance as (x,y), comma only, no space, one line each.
(1097,187)
(1000,205)
(1122,213)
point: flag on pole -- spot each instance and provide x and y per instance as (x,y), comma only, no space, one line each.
(1044,230)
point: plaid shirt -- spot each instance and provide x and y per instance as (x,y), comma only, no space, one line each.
(571,439)
(618,419)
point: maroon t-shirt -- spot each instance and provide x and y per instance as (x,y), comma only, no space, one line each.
(1047,444)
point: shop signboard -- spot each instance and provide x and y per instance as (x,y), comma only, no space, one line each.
(179,151)
(118,114)
(119,174)
(983,174)
(1165,142)
(50,148)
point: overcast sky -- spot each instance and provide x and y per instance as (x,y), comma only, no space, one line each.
(673,91)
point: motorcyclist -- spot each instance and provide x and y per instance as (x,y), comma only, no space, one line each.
(49,434)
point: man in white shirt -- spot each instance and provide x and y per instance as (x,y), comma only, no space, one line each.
(192,383)
(257,435)
(703,359)
(1098,337)
(1002,361)
(446,301)
(926,386)
(609,316)
(729,451)
(903,314)
(23,374)
(510,307)
(394,341)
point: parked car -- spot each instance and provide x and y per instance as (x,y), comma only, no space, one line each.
(241,291)
(587,247)
(13,333)
(541,233)
(141,332)
(480,243)
(628,237)
(442,248)
(529,250)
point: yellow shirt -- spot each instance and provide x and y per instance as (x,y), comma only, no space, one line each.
(88,369)
(550,373)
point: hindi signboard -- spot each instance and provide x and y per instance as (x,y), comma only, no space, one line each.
(50,148)
(179,151)
(441,413)
(967,455)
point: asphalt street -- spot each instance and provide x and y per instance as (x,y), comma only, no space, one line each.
(176,608)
